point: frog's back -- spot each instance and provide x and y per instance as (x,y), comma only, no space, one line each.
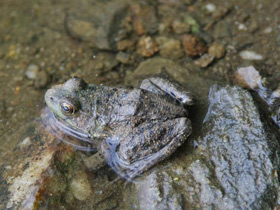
(120,104)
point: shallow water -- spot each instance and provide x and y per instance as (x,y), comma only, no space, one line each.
(34,33)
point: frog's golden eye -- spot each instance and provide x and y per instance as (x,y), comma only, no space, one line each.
(67,108)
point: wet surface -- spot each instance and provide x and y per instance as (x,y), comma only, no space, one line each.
(117,43)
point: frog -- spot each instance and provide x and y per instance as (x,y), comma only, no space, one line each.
(131,129)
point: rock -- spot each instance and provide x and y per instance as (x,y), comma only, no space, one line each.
(180,27)
(210,7)
(125,45)
(233,167)
(250,55)
(155,66)
(123,57)
(248,77)
(42,79)
(32,71)
(105,61)
(267,30)
(146,46)
(102,28)
(25,143)
(194,45)
(216,50)
(144,19)
(160,194)
(204,61)
(169,48)
(80,187)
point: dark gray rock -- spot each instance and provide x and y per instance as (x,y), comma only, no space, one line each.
(157,192)
(234,166)
(237,155)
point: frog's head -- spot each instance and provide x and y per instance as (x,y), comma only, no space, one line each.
(70,104)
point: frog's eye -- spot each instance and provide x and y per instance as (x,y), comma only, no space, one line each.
(67,108)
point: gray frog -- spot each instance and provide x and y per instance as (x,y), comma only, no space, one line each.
(132,129)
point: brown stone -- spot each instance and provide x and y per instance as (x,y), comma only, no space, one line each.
(216,50)
(194,45)
(147,46)
(125,45)
(144,19)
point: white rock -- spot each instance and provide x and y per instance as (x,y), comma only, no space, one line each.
(25,143)
(210,7)
(267,30)
(250,55)
(242,27)
(80,187)
(32,71)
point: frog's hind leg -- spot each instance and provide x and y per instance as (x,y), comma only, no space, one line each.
(129,170)
(163,86)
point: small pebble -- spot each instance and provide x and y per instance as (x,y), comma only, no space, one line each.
(169,48)
(123,57)
(250,55)
(216,50)
(248,77)
(125,45)
(147,46)
(194,45)
(267,30)
(180,27)
(42,80)
(242,27)
(32,71)
(204,60)
(25,143)
(80,187)
(210,7)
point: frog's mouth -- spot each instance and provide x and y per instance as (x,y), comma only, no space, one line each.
(67,134)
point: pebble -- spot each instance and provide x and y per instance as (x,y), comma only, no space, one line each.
(147,46)
(216,50)
(169,48)
(25,143)
(80,187)
(32,71)
(123,57)
(204,61)
(105,61)
(248,77)
(125,45)
(42,79)
(267,30)
(144,19)
(194,45)
(210,7)
(242,27)
(250,55)
(180,27)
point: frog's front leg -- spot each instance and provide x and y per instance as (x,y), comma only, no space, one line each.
(162,86)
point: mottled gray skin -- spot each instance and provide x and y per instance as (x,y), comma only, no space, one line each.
(133,128)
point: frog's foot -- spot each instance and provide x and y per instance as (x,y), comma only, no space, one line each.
(163,86)
(170,140)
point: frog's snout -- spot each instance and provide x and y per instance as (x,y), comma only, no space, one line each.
(49,98)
